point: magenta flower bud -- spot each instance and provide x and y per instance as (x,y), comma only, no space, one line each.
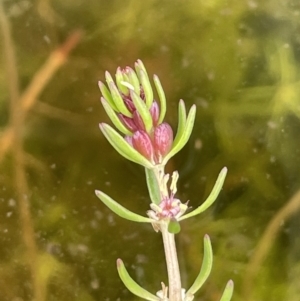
(128,103)
(154,111)
(142,143)
(128,139)
(163,140)
(138,121)
(128,122)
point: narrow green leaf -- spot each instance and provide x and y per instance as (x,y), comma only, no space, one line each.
(133,80)
(118,100)
(181,121)
(227,294)
(153,186)
(185,135)
(114,117)
(132,286)
(116,96)
(173,226)
(143,110)
(119,80)
(205,268)
(123,147)
(211,198)
(147,88)
(106,94)
(120,210)
(139,65)
(162,99)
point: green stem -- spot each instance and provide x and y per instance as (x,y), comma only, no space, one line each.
(172,263)
(169,243)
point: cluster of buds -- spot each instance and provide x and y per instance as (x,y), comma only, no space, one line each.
(130,104)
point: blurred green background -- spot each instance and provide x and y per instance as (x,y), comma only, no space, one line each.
(238,61)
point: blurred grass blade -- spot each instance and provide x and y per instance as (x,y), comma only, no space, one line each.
(227,294)
(132,285)
(211,198)
(123,147)
(205,268)
(120,210)
(162,99)
(185,135)
(153,186)
(114,117)
(143,111)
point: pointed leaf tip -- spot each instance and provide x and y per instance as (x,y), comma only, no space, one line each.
(120,210)
(228,292)
(132,286)
(205,268)
(211,198)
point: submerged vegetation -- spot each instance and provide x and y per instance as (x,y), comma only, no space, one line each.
(238,61)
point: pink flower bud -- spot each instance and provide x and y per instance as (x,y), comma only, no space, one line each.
(128,103)
(154,111)
(163,140)
(128,122)
(142,143)
(128,139)
(138,121)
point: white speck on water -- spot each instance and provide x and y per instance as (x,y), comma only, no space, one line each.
(203,103)
(211,75)
(94,224)
(5,230)
(252,4)
(63,216)
(272,125)
(164,48)
(198,144)
(98,214)
(273,159)
(286,45)
(53,166)
(89,182)
(90,109)
(95,284)
(9,214)
(107,183)
(47,39)
(185,62)
(110,219)
(11,203)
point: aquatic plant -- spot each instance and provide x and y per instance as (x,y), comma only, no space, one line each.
(146,139)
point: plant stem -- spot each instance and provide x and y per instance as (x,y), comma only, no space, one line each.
(172,263)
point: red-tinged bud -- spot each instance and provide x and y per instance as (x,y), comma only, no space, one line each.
(128,122)
(142,143)
(128,103)
(154,111)
(128,139)
(163,140)
(142,94)
(138,121)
